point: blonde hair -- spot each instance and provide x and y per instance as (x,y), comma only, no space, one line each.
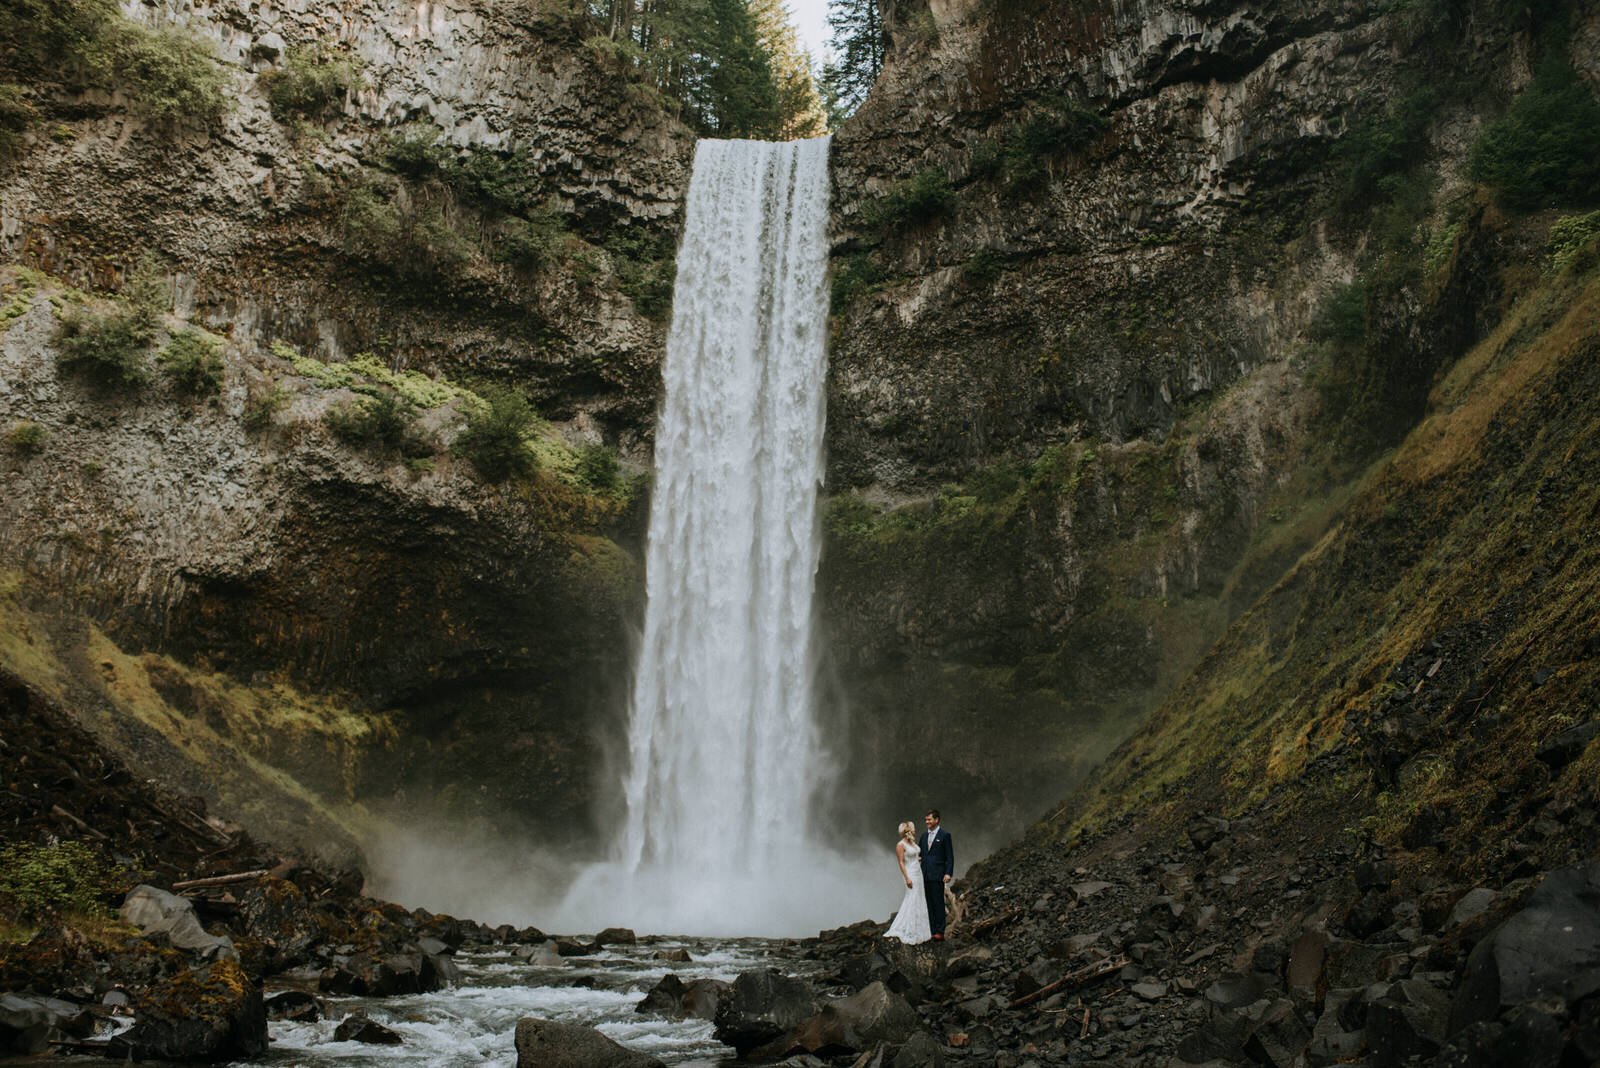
(907,826)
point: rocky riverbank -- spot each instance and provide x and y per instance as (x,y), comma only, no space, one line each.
(134,924)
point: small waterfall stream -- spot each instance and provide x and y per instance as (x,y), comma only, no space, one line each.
(723,750)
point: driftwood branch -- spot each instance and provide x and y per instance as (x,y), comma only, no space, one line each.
(57,810)
(995,921)
(220,880)
(1073,980)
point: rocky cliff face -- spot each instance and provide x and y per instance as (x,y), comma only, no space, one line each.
(1078,418)
(193,569)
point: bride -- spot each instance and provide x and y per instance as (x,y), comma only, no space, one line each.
(911,922)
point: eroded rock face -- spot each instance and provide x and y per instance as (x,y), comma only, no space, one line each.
(437,610)
(1069,400)
(241,211)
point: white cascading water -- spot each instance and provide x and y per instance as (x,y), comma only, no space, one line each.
(722,743)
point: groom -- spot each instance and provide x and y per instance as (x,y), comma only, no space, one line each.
(938,867)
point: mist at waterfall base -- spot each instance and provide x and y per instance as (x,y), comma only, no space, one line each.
(724,761)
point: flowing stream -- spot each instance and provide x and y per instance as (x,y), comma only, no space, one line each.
(723,750)
(475,1022)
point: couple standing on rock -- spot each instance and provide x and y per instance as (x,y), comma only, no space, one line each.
(927,867)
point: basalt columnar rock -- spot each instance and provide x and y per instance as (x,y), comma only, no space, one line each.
(231,537)
(1082,258)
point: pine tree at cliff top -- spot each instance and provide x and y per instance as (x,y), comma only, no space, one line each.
(857,43)
(734,66)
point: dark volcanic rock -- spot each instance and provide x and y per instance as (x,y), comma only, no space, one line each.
(852,1025)
(548,1044)
(294,1005)
(357,1027)
(615,936)
(28,1023)
(213,1013)
(1563,748)
(1551,948)
(761,1007)
(675,999)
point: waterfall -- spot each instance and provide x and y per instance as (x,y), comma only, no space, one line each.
(723,753)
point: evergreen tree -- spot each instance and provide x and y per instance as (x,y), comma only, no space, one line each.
(734,67)
(800,109)
(856,39)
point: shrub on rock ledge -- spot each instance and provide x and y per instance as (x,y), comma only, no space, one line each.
(107,347)
(494,437)
(193,360)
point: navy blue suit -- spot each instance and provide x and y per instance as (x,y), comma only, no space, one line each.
(938,860)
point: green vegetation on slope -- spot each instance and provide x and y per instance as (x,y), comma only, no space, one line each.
(1437,636)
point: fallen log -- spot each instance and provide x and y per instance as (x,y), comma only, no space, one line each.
(1073,980)
(57,810)
(995,921)
(220,880)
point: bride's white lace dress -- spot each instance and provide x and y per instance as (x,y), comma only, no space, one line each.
(911,922)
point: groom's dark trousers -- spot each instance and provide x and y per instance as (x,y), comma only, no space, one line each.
(938,860)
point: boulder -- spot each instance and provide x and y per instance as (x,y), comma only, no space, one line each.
(294,1005)
(674,956)
(573,947)
(276,914)
(969,960)
(358,1027)
(677,1000)
(921,1050)
(368,975)
(213,1013)
(1550,948)
(851,1025)
(28,1023)
(548,1044)
(157,912)
(1408,1021)
(615,936)
(1473,903)
(761,1007)
(1563,748)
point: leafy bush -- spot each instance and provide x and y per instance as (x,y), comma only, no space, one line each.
(26,437)
(494,437)
(529,243)
(168,74)
(983,268)
(858,273)
(45,880)
(645,269)
(311,83)
(108,347)
(382,422)
(1546,148)
(1342,319)
(1374,150)
(926,195)
(261,407)
(193,360)
(1023,154)
(1060,128)
(171,76)
(597,468)
(1570,237)
(412,237)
